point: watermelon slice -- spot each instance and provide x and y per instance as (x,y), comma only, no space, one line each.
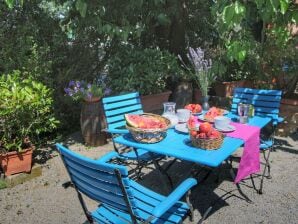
(144,121)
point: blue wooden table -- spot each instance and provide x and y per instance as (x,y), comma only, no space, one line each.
(178,145)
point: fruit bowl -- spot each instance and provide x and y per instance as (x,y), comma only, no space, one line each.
(207,143)
(149,132)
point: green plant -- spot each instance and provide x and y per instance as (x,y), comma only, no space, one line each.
(25,111)
(3,184)
(145,71)
(244,36)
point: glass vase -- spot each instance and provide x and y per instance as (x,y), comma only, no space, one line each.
(205,103)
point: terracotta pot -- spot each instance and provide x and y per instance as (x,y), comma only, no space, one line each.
(92,122)
(226,89)
(92,100)
(16,162)
(154,102)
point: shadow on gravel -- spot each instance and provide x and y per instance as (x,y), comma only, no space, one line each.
(203,195)
(42,155)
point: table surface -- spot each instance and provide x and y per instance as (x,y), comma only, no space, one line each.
(178,145)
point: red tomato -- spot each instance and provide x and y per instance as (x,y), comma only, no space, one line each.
(188,107)
(198,108)
(214,134)
(201,135)
(193,133)
(205,127)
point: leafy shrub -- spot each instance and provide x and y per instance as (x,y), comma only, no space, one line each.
(25,111)
(142,70)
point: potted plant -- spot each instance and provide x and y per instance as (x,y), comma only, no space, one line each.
(92,116)
(201,72)
(145,71)
(26,112)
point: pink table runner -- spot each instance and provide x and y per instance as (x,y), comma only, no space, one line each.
(250,159)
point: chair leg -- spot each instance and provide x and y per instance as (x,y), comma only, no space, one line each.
(190,206)
(267,165)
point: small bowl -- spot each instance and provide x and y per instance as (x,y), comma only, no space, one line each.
(221,122)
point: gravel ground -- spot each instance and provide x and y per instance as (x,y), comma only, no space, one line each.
(44,200)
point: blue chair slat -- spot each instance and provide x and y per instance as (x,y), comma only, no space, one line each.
(119,104)
(89,163)
(101,183)
(258,91)
(120,97)
(270,104)
(258,97)
(151,195)
(100,196)
(120,117)
(120,125)
(88,177)
(146,202)
(123,110)
(109,215)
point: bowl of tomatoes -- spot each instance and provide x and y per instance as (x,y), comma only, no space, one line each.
(194,108)
(206,137)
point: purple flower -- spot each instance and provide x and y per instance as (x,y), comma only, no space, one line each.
(107,91)
(89,95)
(71,83)
(78,84)
(89,86)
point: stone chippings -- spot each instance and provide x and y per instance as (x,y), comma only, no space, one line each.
(44,200)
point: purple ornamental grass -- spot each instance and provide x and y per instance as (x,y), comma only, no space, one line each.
(202,68)
(197,58)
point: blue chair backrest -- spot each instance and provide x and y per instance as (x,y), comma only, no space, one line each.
(116,106)
(98,180)
(265,102)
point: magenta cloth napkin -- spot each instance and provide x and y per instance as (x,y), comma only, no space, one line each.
(250,159)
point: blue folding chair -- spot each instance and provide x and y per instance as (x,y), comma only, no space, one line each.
(114,108)
(122,200)
(266,103)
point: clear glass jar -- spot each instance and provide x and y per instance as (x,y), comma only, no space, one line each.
(169,111)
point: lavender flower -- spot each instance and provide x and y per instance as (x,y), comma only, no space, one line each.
(201,67)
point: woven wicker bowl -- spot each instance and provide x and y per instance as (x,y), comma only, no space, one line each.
(207,143)
(150,135)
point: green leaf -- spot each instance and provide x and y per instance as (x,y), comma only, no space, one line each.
(239,8)
(284,4)
(81,6)
(260,3)
(228,14)
(275,5)
(295,17)
(163,19)
(10,3)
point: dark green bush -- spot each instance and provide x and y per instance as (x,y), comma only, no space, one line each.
(142,70)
